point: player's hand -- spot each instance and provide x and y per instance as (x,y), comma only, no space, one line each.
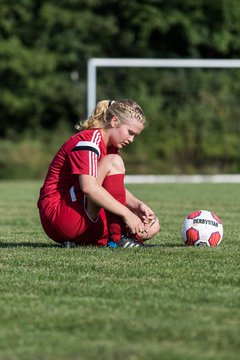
(151,228)
(145,213)
(149,220)
(134,223)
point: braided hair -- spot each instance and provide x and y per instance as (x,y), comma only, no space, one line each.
(124,110)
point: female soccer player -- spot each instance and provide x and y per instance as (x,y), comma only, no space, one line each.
(83,200)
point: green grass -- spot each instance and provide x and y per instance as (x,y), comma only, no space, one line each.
(169,302)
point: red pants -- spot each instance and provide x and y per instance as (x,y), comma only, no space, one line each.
(67,220)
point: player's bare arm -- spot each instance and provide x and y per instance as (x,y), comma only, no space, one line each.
(102,199)
(139,207)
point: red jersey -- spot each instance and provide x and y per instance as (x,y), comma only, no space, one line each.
(79,155)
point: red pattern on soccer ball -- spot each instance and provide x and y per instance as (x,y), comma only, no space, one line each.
(214,239)
(192,236)
(216,218)
(194,214)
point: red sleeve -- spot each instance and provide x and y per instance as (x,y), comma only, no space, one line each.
(83,162)
(84,155)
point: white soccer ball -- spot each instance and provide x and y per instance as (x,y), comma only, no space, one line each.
(202,227)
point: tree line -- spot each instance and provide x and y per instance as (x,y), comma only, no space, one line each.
(193,114)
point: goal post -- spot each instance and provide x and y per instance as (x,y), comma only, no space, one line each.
(95,63)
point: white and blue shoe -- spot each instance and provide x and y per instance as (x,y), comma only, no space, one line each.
(125,242)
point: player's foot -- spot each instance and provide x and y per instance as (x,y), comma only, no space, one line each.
(125,242)
(68,244)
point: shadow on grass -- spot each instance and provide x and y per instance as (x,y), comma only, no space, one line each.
(27,244)
(165,245)
(4,245)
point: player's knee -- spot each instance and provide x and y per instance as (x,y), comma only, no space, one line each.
(156,228)
(151,230)
(116,164)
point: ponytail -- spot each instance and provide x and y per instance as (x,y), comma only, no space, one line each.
(97,118)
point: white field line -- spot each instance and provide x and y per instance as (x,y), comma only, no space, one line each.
(192,179)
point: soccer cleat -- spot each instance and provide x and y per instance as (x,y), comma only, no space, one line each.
(68,245)
(125,242)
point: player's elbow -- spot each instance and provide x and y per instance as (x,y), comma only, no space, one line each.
(87,184)
(87,189)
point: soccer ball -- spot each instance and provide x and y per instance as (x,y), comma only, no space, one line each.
(202,227)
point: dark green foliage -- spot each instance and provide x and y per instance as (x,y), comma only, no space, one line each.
(194,115)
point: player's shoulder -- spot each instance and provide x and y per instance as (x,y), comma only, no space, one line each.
(91,135)
(85,140)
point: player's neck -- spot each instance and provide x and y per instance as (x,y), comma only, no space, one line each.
(105,136)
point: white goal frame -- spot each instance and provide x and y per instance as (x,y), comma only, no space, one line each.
(95,63)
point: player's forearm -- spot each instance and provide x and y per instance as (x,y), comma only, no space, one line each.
(131,201)
(104,199)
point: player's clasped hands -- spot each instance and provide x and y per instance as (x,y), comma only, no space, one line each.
(145,213)
(134,223)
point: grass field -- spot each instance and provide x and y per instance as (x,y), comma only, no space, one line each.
(169,302)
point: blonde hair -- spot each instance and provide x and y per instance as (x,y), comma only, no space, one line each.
(124,110)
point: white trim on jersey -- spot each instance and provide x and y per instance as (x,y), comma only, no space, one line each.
(89,144)
(96,138)
(93,149)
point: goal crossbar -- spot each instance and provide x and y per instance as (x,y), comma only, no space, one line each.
(94,63)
